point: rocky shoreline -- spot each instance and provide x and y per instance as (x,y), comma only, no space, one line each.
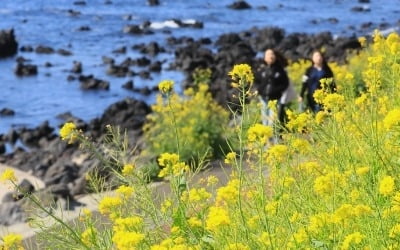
(63,167)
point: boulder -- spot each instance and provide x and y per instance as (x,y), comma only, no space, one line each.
(8,43)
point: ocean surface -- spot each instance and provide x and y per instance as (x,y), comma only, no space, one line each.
(49,23)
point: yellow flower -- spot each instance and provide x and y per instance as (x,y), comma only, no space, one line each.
(88,236)
(386,186)
(230,158)
(107,204)
(363,41)
(277,154)
(351,240)
(128,224)
(168,159)
(166,86)
(362,171)
(128,169)
(395,231)
(320,116)
(259,133)
(217,218)
(229,193)
(127,240)
(12,241)
(195,195)
(195,222)
(125,190)
(301,145)
(242,74)
(333,101)
(67,132)
(360,210)
(212,180)
(8,175)
(326,184)
(237,246)
(392,119)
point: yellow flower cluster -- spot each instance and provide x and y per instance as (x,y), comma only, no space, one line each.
(259,133)
(109,204)
(166,86)
(217,218)
(68,132)
(8,175)
(11,242)
(171,165)
(242,75)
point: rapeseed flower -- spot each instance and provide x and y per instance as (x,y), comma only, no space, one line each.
(12,241)
(166,86)
(68,132)
(8,175)
(386,186)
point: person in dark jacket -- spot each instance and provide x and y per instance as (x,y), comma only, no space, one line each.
(274,80)
(311,80)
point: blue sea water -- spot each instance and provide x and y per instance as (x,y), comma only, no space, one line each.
(48,22)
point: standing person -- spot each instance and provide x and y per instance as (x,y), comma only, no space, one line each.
(311,79)
(274,81)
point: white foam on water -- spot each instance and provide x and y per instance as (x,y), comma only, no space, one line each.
(165,24)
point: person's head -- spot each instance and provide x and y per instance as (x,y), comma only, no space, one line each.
(270,56)
(317,58)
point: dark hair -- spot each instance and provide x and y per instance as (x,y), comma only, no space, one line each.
(280,58)
(324,62)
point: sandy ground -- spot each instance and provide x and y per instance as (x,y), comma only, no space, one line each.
(8,187)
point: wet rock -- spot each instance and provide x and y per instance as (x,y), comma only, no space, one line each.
(153,2)
(360,9)
(64,52)
(48,64)
(26,49)
(71,78)
(333,20)
(144,74)
(12,136)
(73,13)
(107,60)
(11,213)
(2,148)
(152,49)
(239,5)
(31,137)
(44,50)
(121,50)
(144,91)
(118,70)
(128,114)
(128,85)
(366,25)
(142,62)
(7,112)
(8,43)
(25,69)
(127,17)
(80,3)
(26,187)
(91,83)
(77,67)
(156,66)
(84,28)
(133,29)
